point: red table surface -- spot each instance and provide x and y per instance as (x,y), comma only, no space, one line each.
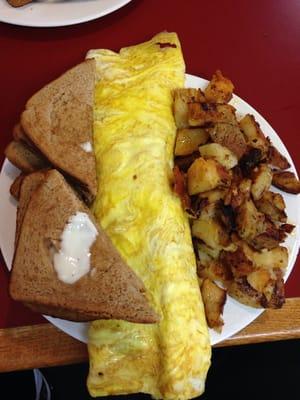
(255,43)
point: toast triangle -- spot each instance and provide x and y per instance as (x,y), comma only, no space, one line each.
(58,120)
(111,290)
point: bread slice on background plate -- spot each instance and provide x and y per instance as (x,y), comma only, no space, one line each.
(110,290)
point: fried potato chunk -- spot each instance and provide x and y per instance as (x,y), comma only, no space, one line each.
(272,205)
(219,89)
(209,229)
(250,222)
(219,153)
(261,180)
(286,181)
(188,140)
(254,135)
(204,175)
(214,299)
(230,136)
(182,97)
(276,159)
(203,114)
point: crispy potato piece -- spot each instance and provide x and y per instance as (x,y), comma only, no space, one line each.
(219,153)
(188,140)
(286,181)
(268,240)
(204,175)
(261,180)
(288,228)
(237,261)
(215,271)
(258,279)
(238,193)
(182,97)
(254,135)
(213,195)
(276,258)
(250,222)
(230,136)
(219,89)
(209,230)
(214,299)
(274,291)
(276,159)
(201,114)
(243,292)
(226,114)
(272,295)
(207,253)
(250,160)
(272,205)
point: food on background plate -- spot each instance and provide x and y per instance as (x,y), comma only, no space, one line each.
(18,3)
(223,175)
(56,129)
(134,136)
(64,264)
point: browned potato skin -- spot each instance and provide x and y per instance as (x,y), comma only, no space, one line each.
(230,136)
(286,181)
(219,89)
(214,299)
(188,140)
(214,271)
(254,135)
(208,229)
(258,279)
(238,193)
(268,240)
(250,222)
(276,159)
(272,205)
(202,114)
(237,261)
(242,291)
(261,180)
(272,295)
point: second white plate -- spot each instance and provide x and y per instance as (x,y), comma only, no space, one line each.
(50,13)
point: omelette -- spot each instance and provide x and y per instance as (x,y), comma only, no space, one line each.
(134,135)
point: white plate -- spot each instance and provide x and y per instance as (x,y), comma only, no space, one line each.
(236,315)
(49,13)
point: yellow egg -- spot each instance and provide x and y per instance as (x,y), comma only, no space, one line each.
(134,135)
